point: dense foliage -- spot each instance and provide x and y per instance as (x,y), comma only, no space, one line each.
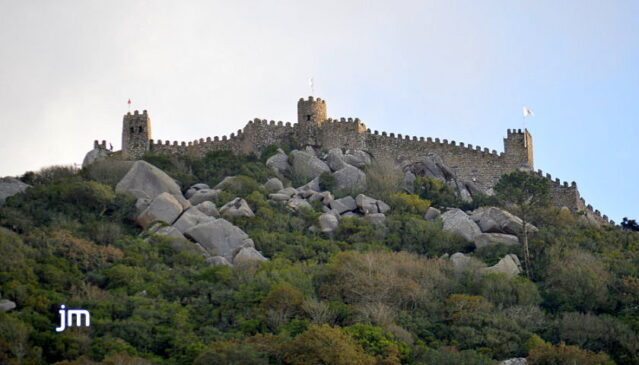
(366,295)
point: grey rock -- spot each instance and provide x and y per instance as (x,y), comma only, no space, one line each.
(313,185)
(495,220)
(515,361)
(279,197)
(328,222)
(508,265)
(375,218)
(432,214)
(248,254)
(351,178)
(193,189)
(288,192)
(96,154)
(218,261)
(279,163)
(237,207)
(366,204)
(343,205)
(163,207)
(357,158)
(408,182)
(220,238)
(299,203)
(335,159)
(306,165)
(383,207)
(458,222)
(204,195)
(141,205)
(6,305)
(208,208)
(167,231)
(147,181)
(10,186)
(491,239)
(191,218)
(273,185)
(460,261)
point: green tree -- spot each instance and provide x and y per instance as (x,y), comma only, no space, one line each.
(528,192)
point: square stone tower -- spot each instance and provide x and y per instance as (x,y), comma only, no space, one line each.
(136,134)
(518,149)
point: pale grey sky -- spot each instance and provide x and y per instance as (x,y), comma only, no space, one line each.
(459,70)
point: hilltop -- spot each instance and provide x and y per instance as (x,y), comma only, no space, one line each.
(304,254)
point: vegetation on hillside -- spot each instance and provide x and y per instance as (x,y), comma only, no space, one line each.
(363,296)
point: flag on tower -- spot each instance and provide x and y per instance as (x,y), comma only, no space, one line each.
(310,83)
(528,112)
(129,102)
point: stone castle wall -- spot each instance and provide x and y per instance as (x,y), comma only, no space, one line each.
(471,163)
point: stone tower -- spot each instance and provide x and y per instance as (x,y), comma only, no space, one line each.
(311,114)
(311,111)
(136,133)
(518,149)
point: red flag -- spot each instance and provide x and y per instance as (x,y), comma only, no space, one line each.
(129,102)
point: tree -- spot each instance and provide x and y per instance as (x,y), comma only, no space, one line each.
(528,192)
(630,224)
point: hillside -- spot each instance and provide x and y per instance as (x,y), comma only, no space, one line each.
(307,257)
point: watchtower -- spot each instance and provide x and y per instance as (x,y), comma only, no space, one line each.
(136,133)
(311,111)
(518,149)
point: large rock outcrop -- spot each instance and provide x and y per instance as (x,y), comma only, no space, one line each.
(491,239)
(237,207)
(94,155)
(495,220)
(458,222)
(163,207)
(220,238)
(279,163)
(146,181)
(10,186)
(306,165)
(508,265)
(350,178)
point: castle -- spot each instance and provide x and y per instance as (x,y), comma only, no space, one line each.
(314,128)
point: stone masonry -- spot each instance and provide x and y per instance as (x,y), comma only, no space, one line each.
(314,128)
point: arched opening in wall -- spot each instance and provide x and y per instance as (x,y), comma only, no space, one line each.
(141,129)
(132,130)
(308,118)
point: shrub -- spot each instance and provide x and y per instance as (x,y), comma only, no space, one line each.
(439,193)
(408,203)
(327,181)
(562,354)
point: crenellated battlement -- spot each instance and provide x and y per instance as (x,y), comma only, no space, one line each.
(482,165)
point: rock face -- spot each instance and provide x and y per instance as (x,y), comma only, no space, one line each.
(508,265)
(248,254)
(163,207)
(375,218)
(343,205)
(274,185)
(237,207)
(351,178)
(167,231)
(6,305)
(299,203)
(499,221)
(328,222)
(279,163)
(94,155)
(147,181)
(10,186)
(193,189)
(220,238)
(491,239)
(458,222)
(306,165)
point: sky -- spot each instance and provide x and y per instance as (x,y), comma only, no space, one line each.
(460,70)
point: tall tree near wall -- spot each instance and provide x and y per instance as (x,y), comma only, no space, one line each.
(527,191)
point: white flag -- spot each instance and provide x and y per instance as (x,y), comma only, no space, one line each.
(528,112)
(310,83)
